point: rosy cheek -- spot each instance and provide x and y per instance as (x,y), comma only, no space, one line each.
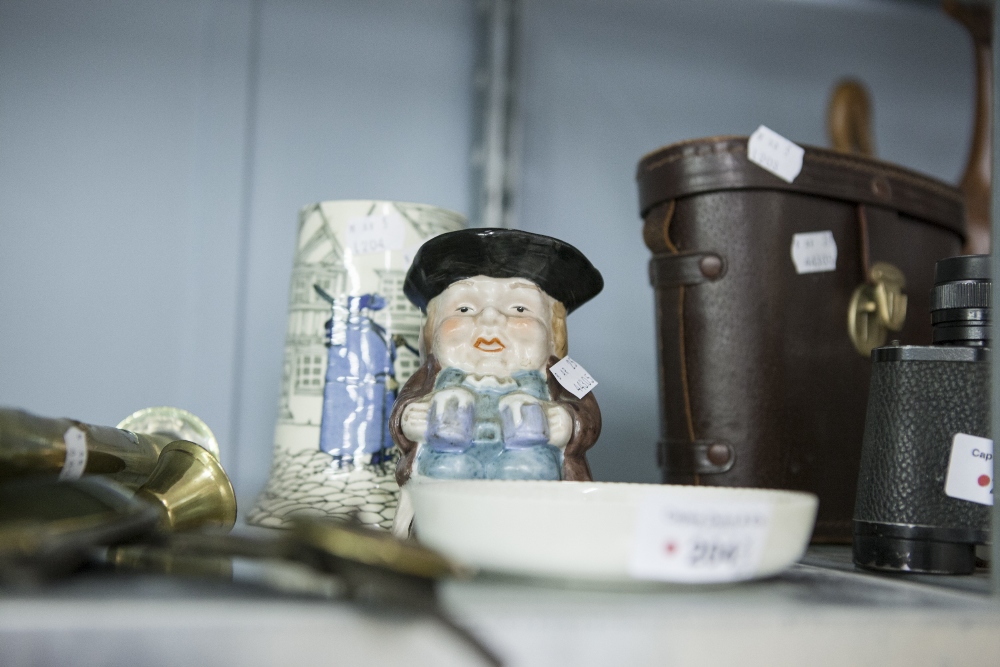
(525,324)
(520,323)
(527,329)
(451,326)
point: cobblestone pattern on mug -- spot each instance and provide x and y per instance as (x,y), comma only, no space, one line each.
(307,483)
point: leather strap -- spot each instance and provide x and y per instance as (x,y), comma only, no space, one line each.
(701,457)
(721,163)
(686,268)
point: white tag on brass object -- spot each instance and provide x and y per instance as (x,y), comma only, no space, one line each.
(814,252)
(375,233)
(698,542)
(774,153)
(970,469)
(76,454)
(573,377)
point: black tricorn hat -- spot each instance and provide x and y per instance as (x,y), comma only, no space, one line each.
(558,268)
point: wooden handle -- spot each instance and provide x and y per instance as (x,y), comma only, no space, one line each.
(978,20)
(849,119)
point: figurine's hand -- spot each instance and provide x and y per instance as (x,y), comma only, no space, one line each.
(560,424)
(558,419)
(414,420)
(462,398)
(514,402)
(522,420)
(450,420)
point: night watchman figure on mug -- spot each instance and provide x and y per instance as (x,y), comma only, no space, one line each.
(483,404)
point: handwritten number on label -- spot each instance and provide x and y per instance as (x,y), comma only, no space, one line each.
(691,541)
(573,377)
(712,553)
(375,233)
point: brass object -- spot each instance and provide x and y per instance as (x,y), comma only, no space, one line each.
(372,547)
(33,445)
(174,423)
(877,307)
(318,558)
(161,560)
(849,119)
(269,563)
(47,526)
(190,489)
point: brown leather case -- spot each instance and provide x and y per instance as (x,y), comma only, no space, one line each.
(760,384)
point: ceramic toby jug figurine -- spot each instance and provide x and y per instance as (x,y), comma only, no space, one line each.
(483,404)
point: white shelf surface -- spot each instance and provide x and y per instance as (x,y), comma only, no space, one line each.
(815,614)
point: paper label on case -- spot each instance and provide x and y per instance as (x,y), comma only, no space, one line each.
(573,377)
(814,252)
(76,454)
(773,152)
(970,469)
(376,233)
(698,542)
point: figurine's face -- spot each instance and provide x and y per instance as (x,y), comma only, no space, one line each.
(492,326)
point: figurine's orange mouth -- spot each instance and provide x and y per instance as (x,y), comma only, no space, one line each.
(491,345)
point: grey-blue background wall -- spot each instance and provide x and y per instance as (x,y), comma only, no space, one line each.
(153,157)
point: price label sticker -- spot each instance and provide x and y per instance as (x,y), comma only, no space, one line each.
(970,469)
(774,153)
(573,377)
(375,233)
(697,542)
(814,252)
(76,454)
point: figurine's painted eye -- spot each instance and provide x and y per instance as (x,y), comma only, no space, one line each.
(464,309)
(520,309)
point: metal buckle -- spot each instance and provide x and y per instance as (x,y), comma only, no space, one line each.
(877,307)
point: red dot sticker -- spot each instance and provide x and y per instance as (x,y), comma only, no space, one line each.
(670,547)
(984,480)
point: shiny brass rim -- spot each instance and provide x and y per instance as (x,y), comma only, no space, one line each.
(222,514)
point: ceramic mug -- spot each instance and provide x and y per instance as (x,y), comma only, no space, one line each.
(351,342)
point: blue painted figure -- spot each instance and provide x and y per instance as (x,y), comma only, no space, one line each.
(484,427)
(360,383)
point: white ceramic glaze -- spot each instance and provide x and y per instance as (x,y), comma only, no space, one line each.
(580,529)
(490,328)
(330,255)
(493,326)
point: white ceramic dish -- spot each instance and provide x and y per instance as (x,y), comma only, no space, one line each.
(587,529)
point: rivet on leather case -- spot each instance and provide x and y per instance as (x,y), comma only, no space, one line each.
(877,307)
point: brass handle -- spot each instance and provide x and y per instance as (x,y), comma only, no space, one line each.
(877,307)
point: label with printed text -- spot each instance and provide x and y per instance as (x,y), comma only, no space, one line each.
(698,542)
(375,233)
(970,469)
(573,377)
(76,454)
(773,152)
(814,252)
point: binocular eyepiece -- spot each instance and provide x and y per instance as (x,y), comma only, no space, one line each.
(960,301)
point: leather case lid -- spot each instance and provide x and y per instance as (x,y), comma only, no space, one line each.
(720,163)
